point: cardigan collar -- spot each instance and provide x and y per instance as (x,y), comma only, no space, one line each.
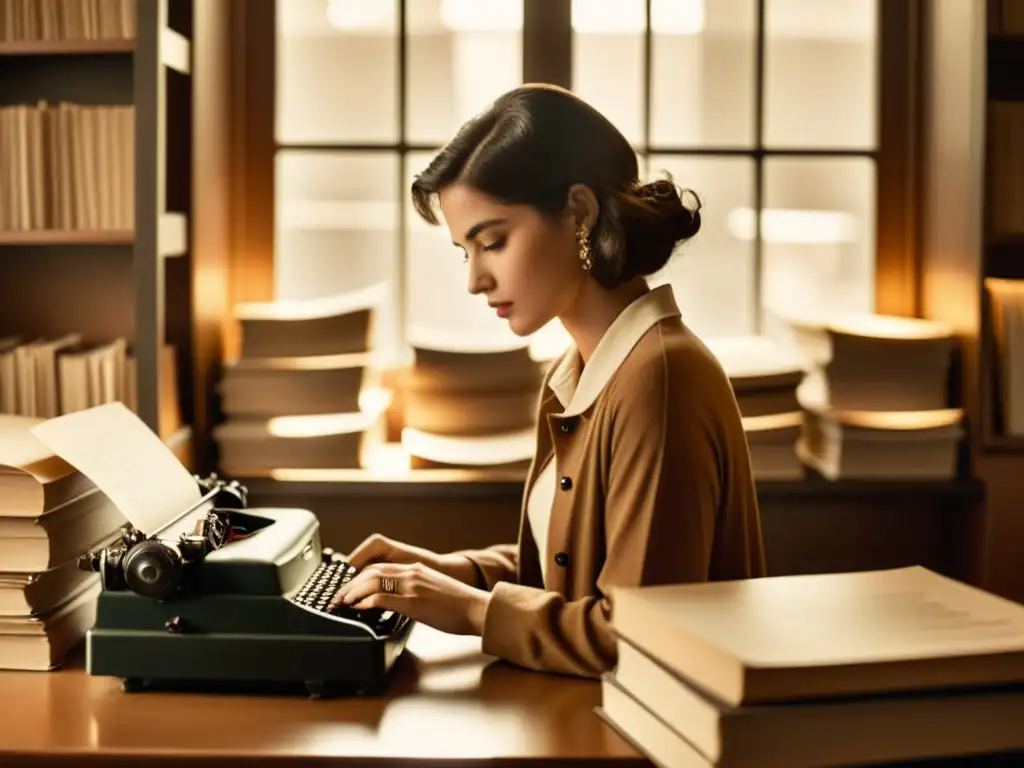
(577,386)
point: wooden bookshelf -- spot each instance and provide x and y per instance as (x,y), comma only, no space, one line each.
(969,236)
(67,237)
(56,280)
(66,47)
(1002,249)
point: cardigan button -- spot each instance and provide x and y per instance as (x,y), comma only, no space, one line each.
(562,559)
(568,426)
(565,483)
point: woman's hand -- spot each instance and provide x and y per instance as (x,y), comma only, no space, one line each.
(381,549)
(419,592)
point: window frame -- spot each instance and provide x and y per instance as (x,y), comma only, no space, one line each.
(547,57)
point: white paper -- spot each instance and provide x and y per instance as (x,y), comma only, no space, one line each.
(126,460)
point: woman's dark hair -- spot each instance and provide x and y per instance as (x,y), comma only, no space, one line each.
(532,145)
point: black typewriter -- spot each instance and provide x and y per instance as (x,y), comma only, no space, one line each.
(235,598)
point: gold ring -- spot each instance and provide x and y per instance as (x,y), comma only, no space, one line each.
(387,584)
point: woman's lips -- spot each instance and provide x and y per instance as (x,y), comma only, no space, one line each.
(503,309)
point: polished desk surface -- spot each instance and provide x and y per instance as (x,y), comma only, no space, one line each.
(447,704)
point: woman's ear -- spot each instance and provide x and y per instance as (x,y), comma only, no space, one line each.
(582,202)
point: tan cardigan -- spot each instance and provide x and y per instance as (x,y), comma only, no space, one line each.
(655,487)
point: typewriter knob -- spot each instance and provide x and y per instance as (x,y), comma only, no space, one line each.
(152,569)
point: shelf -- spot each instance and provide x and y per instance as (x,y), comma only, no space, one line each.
(343,483)
(68,237)
(1003,444)
(66,47)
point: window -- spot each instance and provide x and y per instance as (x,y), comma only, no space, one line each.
(767,109)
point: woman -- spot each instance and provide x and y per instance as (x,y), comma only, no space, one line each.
(641,473)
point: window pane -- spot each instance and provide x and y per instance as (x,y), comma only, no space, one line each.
(439,305)
(337,227)
(713,274)
(702,72)
(608,60)
(820,73)
(462,54)
(818,235)
(337,71)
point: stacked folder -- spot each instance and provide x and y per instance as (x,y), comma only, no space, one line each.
(305,391)
(49,515)
(877,398)
(820,670)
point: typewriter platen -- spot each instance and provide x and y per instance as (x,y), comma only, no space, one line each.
(231,597)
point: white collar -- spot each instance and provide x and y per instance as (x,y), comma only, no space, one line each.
(577,392)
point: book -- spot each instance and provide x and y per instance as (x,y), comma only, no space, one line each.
(512,450)
(870,362)
(33,479)
(679,726)
(882,445)
(330,325)
(834,634)
(763,374)
(294,386)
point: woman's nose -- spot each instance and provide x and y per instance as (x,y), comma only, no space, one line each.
(480,280)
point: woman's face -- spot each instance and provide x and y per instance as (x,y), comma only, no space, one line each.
(524,263)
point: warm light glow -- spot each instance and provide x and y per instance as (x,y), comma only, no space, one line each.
(549,342)
(369,297)
(482,15)
(1005,288)
(889,327)
(359,15)
(628,17)
(374,400)
(747,356)
(306,362)
(897,420)
(488,450)
(321,424)
(874,326)
(772,421)
(386,460)
(795,226)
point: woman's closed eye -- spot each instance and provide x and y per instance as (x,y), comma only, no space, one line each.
(497,245)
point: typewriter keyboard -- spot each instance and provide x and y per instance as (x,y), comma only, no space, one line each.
(318,590)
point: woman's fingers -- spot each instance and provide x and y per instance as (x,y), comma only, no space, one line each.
(386,578)
(374,548)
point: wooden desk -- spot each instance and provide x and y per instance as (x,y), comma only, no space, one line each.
(447,705)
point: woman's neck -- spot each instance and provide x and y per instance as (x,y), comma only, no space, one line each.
(595,309)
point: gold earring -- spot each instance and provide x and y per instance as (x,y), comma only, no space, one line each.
(583,240)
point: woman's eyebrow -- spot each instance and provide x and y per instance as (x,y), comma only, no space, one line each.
(476,229)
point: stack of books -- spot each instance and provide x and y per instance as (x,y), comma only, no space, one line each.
(49,515)
(876,398)
(863,668)
(305,391)
(470,404)
(765,378)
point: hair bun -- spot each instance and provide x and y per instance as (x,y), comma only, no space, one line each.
(682,220)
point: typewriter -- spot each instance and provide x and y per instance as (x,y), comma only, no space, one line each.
(235,598)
